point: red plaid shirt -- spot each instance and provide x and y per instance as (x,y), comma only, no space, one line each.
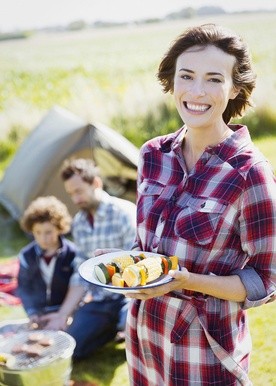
(220,219)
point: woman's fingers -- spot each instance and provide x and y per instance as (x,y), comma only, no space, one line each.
(99,252)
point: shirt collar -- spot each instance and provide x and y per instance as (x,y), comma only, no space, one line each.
(233,144)
(225,150)
(174,141)
(102,208)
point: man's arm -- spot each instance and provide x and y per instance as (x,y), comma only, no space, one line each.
(58,320)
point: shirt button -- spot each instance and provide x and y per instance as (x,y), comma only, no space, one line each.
(203,205)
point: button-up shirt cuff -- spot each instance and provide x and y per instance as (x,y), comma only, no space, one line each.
(256,303)
(255,289)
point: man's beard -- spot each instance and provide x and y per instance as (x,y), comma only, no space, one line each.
(88,207)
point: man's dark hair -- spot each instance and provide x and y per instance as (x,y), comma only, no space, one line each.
(83,167)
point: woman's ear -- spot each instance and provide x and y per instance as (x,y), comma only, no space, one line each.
(235,92)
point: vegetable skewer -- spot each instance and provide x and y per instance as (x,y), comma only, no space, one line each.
(131,270)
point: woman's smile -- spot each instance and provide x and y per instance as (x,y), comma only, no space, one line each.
(196,107)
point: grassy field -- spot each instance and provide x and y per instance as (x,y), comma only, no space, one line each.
(107,73)
(108,366)
(102,73)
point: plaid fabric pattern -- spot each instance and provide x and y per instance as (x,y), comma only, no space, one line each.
(114,227)
(220,220)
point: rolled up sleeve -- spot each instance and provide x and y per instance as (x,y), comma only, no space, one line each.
(255,289)
(258,237)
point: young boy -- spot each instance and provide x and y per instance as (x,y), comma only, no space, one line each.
(46,264)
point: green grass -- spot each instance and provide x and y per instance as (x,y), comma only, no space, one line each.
(267,146)
(108,75)
(12,238)
(108,367)
(263,364)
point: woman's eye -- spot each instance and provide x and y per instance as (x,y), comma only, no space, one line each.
(186,77)
(215,80)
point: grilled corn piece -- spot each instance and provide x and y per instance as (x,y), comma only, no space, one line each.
(153,267)
(134,270)
(142,272)
(123,261)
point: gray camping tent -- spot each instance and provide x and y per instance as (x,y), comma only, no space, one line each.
(35,169)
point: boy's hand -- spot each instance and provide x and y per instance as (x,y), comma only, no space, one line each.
(54,321)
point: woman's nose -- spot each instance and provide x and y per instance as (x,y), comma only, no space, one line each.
(198,89)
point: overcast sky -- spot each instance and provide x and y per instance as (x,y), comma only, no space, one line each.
(20,14)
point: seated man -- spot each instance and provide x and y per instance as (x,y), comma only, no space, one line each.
(102,222)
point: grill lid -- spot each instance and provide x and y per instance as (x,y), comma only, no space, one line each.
(36,348)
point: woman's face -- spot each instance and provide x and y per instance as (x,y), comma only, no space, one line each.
(203,86)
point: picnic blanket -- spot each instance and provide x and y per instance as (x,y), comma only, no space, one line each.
(8,282)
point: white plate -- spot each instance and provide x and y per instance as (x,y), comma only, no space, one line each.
(86,271)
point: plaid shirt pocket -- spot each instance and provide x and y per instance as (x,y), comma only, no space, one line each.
(148,191)
(198,221)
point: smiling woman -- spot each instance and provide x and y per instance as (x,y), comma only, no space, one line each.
(197,190)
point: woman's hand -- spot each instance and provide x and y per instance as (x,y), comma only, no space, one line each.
(222,287)
(180,278)
(99,252)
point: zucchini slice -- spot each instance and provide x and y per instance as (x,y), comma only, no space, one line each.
(102,273)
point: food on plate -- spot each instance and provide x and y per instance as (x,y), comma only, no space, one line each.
(105,272)
(131,271)
(143,272)
(117,280)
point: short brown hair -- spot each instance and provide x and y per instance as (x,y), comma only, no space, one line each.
(83,167)
(243,76)
(46,209)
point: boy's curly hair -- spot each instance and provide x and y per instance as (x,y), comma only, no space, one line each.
(46,209)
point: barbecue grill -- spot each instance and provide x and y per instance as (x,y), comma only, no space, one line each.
(48,365)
